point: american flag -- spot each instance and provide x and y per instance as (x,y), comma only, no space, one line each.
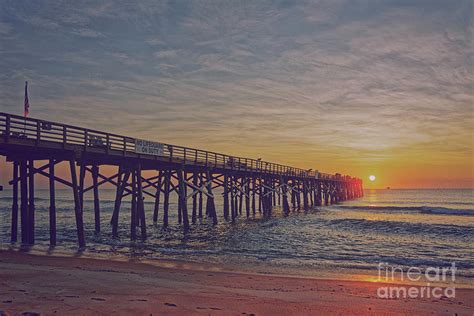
(27,102)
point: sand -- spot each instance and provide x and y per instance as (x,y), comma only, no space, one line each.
(53,285)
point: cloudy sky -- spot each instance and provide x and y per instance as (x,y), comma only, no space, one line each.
(357,87)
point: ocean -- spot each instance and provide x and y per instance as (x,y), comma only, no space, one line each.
(421,228)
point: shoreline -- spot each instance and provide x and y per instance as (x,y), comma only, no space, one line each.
(49,284)
(255,268)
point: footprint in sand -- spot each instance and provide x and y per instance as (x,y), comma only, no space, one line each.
(171,304)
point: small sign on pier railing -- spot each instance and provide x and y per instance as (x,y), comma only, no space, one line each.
(148,147)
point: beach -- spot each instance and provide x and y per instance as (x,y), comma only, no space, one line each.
(53,285)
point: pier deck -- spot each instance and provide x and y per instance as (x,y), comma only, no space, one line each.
(249,185)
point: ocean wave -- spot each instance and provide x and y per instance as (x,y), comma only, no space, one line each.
(445,210)
(420,209)
(9,199)
(383,227)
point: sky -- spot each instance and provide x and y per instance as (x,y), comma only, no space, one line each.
(354,87)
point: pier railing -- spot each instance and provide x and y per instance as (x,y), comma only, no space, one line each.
(40,131)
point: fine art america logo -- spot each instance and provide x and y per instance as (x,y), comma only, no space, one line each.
(389,273)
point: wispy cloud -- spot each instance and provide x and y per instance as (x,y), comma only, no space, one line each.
(87,33)
(5,28)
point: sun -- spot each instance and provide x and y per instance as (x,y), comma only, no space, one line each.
(372,178)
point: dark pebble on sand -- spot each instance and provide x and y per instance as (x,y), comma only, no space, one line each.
(170,304)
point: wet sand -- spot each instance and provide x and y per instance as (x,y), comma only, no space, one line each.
(79,286)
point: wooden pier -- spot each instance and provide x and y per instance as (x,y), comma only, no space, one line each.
(35,147)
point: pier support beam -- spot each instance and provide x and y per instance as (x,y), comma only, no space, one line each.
(274,192)
(118,201)
(266,197)
(95,176)
(333,193)
(201,181)
(240,194)
(166,202)
(31,203)
(232,199)
(247,197)
(183,199)
(180,207)
(133,207)
(77,205)
(284,189)
(24,201)
(14,222)
(226,197)
(52,204)
(140,202)
(326,194)
(82,177)
(293,194)
(195,183)
(210,206)
(305,195)
(254,189)
(279,190)
(157,197)
(121,185)
(298,195)
(319,198)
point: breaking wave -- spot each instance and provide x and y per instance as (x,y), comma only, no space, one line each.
(420,209)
